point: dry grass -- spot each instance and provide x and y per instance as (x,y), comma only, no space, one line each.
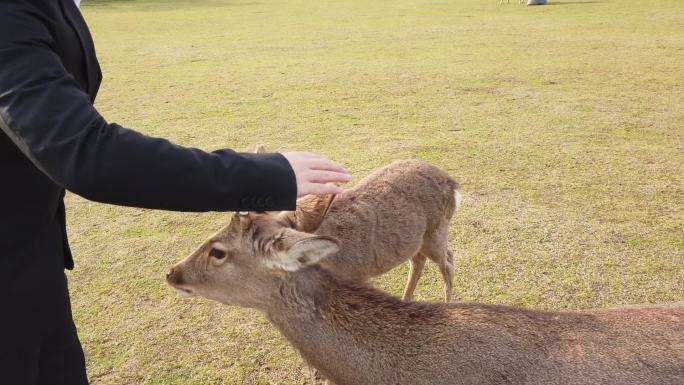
(563,123)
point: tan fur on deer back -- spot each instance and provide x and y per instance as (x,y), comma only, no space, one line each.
(361,336)
(381,222)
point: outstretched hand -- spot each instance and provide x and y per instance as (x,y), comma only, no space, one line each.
(316,174)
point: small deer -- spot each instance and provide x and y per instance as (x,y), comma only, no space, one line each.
(356,335)
(400,212)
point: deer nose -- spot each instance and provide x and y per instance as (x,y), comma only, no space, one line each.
(169,274)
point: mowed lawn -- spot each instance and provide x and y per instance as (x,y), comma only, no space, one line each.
(563,123)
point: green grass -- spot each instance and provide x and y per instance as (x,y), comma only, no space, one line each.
(563,123)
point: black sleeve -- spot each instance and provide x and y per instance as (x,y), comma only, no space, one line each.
(54,124)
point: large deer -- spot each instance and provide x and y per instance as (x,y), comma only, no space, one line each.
(400,212)
(356,335)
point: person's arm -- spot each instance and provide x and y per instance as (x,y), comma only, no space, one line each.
(54,124)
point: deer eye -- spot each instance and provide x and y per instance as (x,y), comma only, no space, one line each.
(217,253)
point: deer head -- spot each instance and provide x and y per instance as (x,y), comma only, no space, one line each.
(242,264)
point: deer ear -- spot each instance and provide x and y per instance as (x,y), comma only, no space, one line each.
(308,252)
(294,250)
(310,212)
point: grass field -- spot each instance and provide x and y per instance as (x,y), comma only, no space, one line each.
(563,123)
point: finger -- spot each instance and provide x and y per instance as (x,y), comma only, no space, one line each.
(309,155)
(326,165)
(320,189)
(316,176)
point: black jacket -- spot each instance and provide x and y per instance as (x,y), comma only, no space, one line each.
(52,139)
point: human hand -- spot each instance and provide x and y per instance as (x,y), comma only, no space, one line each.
(316,174)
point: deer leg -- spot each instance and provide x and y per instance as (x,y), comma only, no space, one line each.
(447,270)
(416,270)
(436,247)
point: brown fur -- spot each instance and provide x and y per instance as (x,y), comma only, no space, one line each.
(356,335)
(400,212)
